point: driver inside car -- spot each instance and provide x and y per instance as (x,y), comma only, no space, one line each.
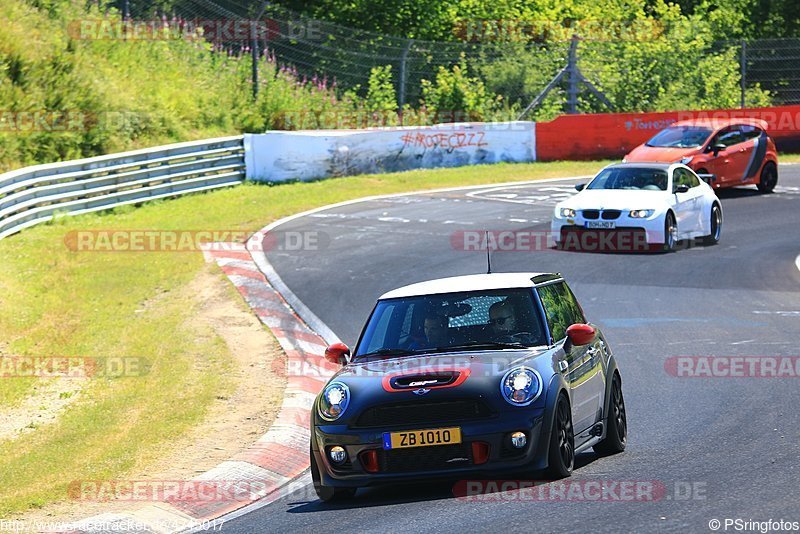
(435,328)
(503,319)
(507,327)
(435,333)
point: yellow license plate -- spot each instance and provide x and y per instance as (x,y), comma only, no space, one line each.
(421,438)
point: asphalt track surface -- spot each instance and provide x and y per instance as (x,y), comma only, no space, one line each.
(731,445)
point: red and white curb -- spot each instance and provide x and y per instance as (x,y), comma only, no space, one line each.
(278,457)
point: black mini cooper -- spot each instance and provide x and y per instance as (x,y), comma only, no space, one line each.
(492,374)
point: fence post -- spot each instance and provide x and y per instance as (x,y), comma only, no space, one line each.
(254,50)
(573,77)
(743,68)
(401,88)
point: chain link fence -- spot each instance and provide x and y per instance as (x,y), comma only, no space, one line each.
(602,74)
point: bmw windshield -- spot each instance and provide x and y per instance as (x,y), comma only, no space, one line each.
(680,137)
(470,320)
(634,178)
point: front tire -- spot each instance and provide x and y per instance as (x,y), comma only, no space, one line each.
(617,432)
(769,178)
(716,226)
(327,493)
(670,233)
(561,454)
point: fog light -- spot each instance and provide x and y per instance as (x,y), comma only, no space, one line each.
(518,440)
(337,454)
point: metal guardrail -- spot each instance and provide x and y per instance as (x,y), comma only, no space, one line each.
(37,194)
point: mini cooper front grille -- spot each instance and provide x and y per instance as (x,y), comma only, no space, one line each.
(591,214)
(391,415)
(426,458)
(610,215)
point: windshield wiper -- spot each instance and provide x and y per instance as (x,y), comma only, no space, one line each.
(483,345)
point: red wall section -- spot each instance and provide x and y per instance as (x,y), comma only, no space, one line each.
(612,135)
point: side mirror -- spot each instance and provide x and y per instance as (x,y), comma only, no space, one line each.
(581,334)
(683,188)
(338,353)
(716,149)
(579,187)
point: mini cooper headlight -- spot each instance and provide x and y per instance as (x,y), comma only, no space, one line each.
(334,401)
(521,386)
(641,214)
(566,212)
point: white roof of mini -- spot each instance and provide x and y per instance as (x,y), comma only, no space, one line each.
(470,282)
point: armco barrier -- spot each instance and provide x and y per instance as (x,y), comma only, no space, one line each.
(612,135)
(36,194)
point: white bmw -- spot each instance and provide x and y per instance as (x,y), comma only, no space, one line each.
(637,206)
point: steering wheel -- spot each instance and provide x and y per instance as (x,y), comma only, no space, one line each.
(519,336)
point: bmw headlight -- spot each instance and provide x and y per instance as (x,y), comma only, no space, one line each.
(566,212)
(641,214)
(687,160)
(334,401)
(521,386)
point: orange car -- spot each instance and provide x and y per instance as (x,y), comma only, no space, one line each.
(726,153)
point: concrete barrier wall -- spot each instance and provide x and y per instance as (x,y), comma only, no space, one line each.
(310,155)
(612,135)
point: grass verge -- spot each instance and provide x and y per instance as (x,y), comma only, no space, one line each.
(55,302)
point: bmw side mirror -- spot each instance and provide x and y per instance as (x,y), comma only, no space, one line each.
(683,188)
(579,187)
(338,353)
(716,149)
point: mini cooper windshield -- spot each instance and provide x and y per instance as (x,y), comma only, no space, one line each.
(470,320)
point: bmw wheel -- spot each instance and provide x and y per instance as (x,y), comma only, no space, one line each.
(617,432)
(327,493)
(769,178)
(561,456)
(670,233)
(715,227)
